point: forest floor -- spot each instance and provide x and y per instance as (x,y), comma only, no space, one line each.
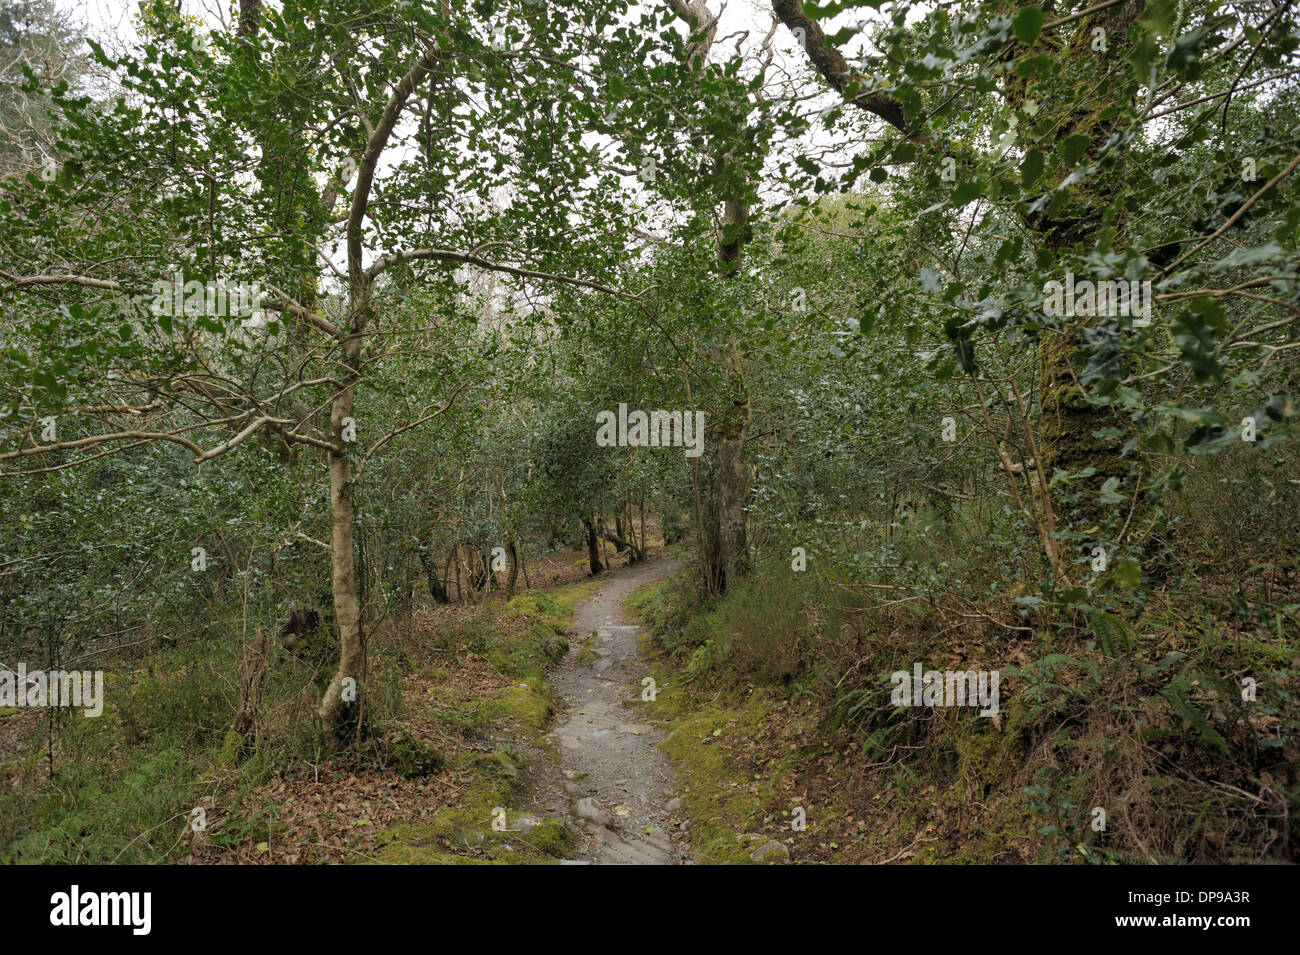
(513,732)
(541,751)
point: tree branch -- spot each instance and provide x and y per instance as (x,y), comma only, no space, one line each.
(370,156)
(835,69)
(469,258)
(407,427)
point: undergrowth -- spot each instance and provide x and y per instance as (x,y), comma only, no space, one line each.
(459,699)
(1147,735)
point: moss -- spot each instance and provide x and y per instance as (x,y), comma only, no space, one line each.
(718,796)
(493,779)
(402,854)
(558,603)
(531,649)
(413,758)
(980,758)
(458,712)
(231,748)
(715,792)
(525,707)
(521,640)
(464,834)
(552,838)
(433,843)
(536,606)
(569,596)
(649,605)
(553,646)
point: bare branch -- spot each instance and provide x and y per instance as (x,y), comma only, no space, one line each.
(103,439)
(469,258)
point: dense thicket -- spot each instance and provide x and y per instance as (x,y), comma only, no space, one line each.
(855,236)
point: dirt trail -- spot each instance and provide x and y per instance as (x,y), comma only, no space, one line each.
(617,784)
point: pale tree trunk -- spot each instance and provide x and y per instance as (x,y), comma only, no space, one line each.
(346,686)
(343,575)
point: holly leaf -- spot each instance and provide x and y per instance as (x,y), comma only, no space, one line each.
(1028,24)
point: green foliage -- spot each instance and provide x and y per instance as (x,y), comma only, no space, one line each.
(1084,501)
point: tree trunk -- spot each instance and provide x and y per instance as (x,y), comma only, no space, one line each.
(479,571)
(620,533)
(1068,427)
(723,548)
(593,547)
(513,551)
(343,577)
(635,553)
(436,589)
(252,674)
(1068,424)
(732,480)
(463,582)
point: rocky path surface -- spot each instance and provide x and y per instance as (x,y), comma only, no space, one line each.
(617,784)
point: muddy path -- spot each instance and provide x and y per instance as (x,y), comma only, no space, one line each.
(616,784)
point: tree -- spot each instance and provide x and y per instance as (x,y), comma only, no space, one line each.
(180,369)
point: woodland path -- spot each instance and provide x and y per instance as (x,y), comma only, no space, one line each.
(616,784)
